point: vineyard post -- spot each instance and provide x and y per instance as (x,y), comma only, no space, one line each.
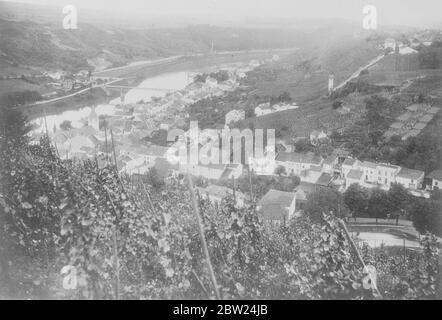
(358,254)
(116,263)
(113,150)
(250,183)
(203,237)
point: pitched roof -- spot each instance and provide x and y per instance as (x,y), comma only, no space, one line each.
(274,205)
(433,110)
(324,179)
(426,118)
(386,165)
(304,189)
(355,174)
(397,125)
(275,196)
(330,159)
(420,125)
(289,156)
(349,161)
(368,164)
(436,174)
(219,191)
(410,174)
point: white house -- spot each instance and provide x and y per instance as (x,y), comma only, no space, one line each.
(436,179)
(277,206)
(263,109)
(410,179)
(317,137)
(386,174)
(235,116)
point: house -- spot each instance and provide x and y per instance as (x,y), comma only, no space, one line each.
(436,179)
(263,109)
(297,163)
(235,116)
(142,156)
(283,107)
(369,170)
(410,179)
(277,206)
(390,43)
(233,170)
(318,137)
(311,175)
(324,180)
(217,193)
(354,176)
(348,164)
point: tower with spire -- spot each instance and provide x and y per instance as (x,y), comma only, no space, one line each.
(93,120)
(331,80)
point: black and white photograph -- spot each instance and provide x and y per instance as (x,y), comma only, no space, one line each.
(233,151)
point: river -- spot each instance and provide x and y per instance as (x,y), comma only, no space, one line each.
(170,81)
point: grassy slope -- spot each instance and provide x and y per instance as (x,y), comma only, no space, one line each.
(305,76)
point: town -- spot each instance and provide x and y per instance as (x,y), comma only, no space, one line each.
(220,150)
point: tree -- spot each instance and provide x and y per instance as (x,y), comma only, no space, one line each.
(303,145)
(356,198)
(325,201)
(66,125)
(426,216)
(378,204)
(399,198)
(280,171)
(336,104)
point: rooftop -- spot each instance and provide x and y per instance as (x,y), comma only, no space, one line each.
(274,205)
(309,157)
(420,125)
(410,174)
(219,191)
(433,110)
(330,159)
(426,118)
(305,188)
(349,162)
(405,116)
(324,179)
(276,196)
(368,164)
(355,174)
(436,174)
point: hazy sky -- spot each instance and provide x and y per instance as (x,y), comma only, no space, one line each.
(405,12)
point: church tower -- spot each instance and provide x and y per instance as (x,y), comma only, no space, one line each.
(93,120)
(331,80)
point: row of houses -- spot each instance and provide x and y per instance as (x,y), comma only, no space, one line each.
(313,168)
